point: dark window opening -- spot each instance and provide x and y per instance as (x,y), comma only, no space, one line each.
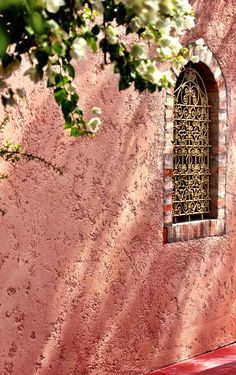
(195,145)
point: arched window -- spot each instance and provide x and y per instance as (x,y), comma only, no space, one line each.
(195,153)
(191,167)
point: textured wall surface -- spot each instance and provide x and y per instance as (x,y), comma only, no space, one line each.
(86,285)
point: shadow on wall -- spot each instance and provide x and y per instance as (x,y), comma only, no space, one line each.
(87,287)
(70,277)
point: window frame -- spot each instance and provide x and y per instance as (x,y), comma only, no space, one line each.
(208,227)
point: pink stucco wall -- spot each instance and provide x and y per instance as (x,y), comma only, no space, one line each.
(87,286)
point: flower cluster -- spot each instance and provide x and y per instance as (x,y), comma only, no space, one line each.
(53,32)
(161,14)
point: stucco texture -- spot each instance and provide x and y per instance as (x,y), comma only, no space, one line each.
(87,286)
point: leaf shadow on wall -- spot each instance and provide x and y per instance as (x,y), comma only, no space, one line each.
(71,251)
(96,290)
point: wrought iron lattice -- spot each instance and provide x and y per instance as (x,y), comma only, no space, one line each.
(191,148)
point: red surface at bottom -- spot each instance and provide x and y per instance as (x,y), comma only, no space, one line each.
(219,362)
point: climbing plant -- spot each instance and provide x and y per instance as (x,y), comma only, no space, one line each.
(136,36)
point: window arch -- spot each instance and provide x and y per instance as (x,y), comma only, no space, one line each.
(195,153)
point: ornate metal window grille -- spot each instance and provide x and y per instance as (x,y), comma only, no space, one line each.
(191,196)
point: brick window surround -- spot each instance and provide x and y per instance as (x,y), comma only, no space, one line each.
(211,73)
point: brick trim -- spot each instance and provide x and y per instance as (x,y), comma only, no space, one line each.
(210,227)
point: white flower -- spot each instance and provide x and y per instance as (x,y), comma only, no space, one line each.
(166,51)
(180,61)
(167,6)
(70,88)
(189,22)
(53,6)
(96,111)
(184,4)
(93,124)
(195,59)
(175,45)
(142,68)
(164,26)
(171,42)
(53,25)
(148,70)
(135,24)
(149,11)
(78,48)
(138,51)
(111,35)
(167,78)
(153,74)
(200,42)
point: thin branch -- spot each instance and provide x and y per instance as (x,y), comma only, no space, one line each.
(8,153)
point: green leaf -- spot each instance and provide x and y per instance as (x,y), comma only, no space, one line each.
(68,106)
(121,14)
(151,87)
(57,77)
(114,50)
(116,68)
(10,3)
(74,131)
(4,41)
(92,43)
(42,57)
(70,69)
(37,22)
(74,100)
(60,94)
(140,31)
(91,40)
(109,14)
(124,83)
(77,132)
(128,30)
(140,84)
(95,30)
(79,111)
(68,124)
(24,45)
(29,30)
(63,80)
(104,45)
